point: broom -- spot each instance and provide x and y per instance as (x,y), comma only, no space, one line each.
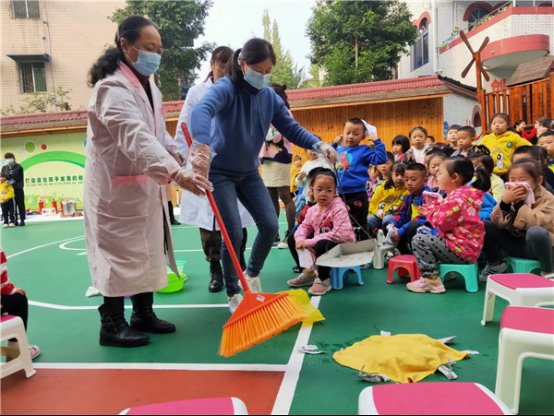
(259,316)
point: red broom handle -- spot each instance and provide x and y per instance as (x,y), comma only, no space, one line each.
(227,239)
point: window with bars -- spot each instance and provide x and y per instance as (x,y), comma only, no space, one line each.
(32,76)
(26,9)
(420,49)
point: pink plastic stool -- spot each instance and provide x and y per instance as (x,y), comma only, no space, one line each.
(525,332)
(214,406)
(445,398)
(519,289)
(405,262)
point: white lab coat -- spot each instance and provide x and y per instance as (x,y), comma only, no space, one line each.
(126,172)
(195,210)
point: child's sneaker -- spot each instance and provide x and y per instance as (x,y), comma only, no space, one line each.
(302,281)
(425,284)
(549,276)
(320,287)
(6,226)
(492,269)
(284,243)
(11,225)
(234,302)
(34,350)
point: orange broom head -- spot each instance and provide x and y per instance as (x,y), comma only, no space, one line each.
(259,317)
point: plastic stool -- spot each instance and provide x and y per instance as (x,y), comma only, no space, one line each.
(339,274)
(406,262)
(439,398)
(519,265)
(12,327)
(519,289)
(467,271)
(213,406)
(524,332)
(379,254)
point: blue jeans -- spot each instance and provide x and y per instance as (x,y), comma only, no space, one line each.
(251,191)
(374,221)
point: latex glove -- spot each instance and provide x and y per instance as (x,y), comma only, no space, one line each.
(328,152)
(200,157)
(172,150)
(191,181)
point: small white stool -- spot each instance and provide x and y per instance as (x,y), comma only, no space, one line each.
(524,332)
(519,289)
(12,327)
(380,253)
(214,406)
(439,398)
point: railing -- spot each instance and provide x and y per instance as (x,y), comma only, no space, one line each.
(523,102)
(469,27)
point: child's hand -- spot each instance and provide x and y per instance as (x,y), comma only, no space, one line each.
(395,236)
(300,245)
(20,291)
(517,193)
(337,140)
(371,137)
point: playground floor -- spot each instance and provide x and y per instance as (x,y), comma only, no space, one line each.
(77,376)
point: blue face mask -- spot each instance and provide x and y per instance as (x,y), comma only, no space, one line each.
(10,161)
(147,63)
(256,79)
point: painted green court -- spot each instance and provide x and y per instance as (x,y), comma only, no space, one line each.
(76,375)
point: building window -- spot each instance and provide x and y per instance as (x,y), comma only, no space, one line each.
(420,49)
(475,16)
(25,9)
(32,75)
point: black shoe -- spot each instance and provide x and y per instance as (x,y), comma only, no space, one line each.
(115,332)
(216,282)
(22,223)
(277,241)
(144,319)
(175,222)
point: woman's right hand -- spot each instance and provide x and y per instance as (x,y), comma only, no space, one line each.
(517,193)
(201,158)
(192,181)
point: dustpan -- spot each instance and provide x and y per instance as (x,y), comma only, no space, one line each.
(348,254)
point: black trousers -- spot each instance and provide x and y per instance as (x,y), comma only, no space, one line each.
(405,243)
(8,211)
(16,304)
(320,248)
(358,206)
(20,203)
(211,244)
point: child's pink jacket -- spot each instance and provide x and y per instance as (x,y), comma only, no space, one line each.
(457,220)
(331,224)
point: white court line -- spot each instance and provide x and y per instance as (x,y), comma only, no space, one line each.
(284,398)
(162,366)
(90,308)
(44,245)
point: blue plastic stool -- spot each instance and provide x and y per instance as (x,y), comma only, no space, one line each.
(467,271)
(339,274)
(519,265)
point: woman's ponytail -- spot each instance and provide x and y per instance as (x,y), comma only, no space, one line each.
(104,66)
(482,180)
(233,70)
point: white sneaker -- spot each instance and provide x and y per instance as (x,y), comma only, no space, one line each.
(234,302)
(282,245)
(254,283)
(11,225)
(5,225)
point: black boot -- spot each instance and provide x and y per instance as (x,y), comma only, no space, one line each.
(115,331)
(216,282)
(143,317)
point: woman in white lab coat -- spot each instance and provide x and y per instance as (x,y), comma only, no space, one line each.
(196,210)
(128,166)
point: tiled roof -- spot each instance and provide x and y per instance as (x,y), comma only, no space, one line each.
(69,116)
(364,88)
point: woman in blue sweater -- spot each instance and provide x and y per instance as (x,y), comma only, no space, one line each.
(233,118)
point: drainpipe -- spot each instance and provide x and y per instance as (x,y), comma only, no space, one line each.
(435,36)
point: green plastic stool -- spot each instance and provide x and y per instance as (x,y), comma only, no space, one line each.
(519,265)
(467,271)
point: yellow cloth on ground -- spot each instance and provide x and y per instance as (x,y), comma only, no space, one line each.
(302,300)
(404,358)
